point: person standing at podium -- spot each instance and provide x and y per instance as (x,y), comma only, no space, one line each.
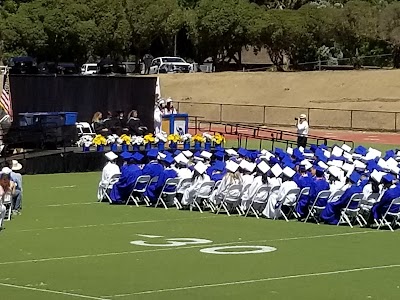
(169,108)
(158,116)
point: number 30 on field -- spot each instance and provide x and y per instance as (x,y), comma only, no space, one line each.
(177,242)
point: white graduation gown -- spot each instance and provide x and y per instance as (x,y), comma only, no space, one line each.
(269,210)
(250,193)
(219,194)
(190,193)
(109,170)
(157,120)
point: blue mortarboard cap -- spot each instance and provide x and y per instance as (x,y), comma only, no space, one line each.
(388,178)
(372,165)
(242,152)
(234,159)
(137,156)
(323,146)
(319,171)
(153,153)
(191,168)
(273,161)
(360,150)
(219,155)
(355,177)
(126,155)
(302,168)
(219,166)
(287,160)
(307,151)
(389,154)
(197,154)
(257,161)
(313,148)
(254,155)
(169,159)
(298,154)
(290,165)
(177,152)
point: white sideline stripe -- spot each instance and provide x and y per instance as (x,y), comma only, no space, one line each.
(257,280)
(51,291)
(186,247)
(63,187)
(68,204)
(113,224)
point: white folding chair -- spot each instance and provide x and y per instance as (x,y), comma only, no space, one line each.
(314,209)
(140,187)
(145,198)
(257,202)
(278,205)
(231,200)
(292,208)
(8,204)
(394,215)
(335,196)
(203,194)
(104,192)
(169,189)
(348,214)
(84,128)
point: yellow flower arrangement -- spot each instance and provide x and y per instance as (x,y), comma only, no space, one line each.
(218,138)
(126,139)
(198,138)
(148,138)
(174,138)
(99,140)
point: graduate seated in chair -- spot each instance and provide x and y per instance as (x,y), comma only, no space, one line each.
(109,170)
(154,169)
(168,173)
(303,181)
(199,177)
(134,124)
(130,173)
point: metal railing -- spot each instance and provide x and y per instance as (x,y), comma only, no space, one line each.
(276,116)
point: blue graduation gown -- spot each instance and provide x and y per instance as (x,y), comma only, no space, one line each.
(122,189)
(379,208)
(302,205)
(320,184)
(167,174)
(331,213)
(153,169)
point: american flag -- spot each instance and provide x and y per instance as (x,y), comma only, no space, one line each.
(5,100)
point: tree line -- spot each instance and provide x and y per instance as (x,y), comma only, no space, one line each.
(297,30)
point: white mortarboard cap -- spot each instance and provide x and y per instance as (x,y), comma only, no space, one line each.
(310,155)
(289,172)
(377,176)
(200,167)
(383,164)
(180,158)
(232,166)
(336,163)
(301,148)
(372,154)
(231,152)
(111,156)
(243,164)
(250,166)
(289,150)
(187,153)
(326,153)
(359,165)
(348,167)
(323,165)
(206,154)
(335,171)
(356,156)
(346,148)
(395,170)
(266,154)
(392,162)
(263,167)
(198,158)
(336,151)
(276,170)
(306,164)
(348,156)
(161,155)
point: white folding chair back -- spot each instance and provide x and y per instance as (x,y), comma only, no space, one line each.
(183,185)
(8,204)
(292,209)
(139,188)
(203,194)
(335,196)
(106,190)
(395,215)
(278,205)
(146,199)
(351,211)
(314,209)
(169,189)
(258,202)
(84,128)
(232,198)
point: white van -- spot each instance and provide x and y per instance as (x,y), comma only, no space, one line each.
(89,69)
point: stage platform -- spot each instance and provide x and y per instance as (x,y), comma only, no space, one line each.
(63,160)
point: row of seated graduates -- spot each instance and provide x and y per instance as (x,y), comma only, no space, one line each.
(119,124)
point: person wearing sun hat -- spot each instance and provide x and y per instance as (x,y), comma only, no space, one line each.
(122,189)
(110,169)
(332,212)
(16,177)
(302,130)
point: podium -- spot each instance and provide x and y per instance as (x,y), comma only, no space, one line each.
(177,124)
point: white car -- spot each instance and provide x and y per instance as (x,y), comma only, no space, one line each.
(89,69)
(169,64)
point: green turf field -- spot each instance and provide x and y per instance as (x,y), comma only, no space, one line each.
(67,246)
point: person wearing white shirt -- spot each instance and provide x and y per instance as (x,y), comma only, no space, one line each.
(198,178)
(302,130)
(109,170)
(169,108)
(158,113)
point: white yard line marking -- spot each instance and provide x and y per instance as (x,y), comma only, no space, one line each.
(68,204)
(113,224)
(51,291)
(185,288)
(63,187)
(186,247)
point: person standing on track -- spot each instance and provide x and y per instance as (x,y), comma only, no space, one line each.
(302,130)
